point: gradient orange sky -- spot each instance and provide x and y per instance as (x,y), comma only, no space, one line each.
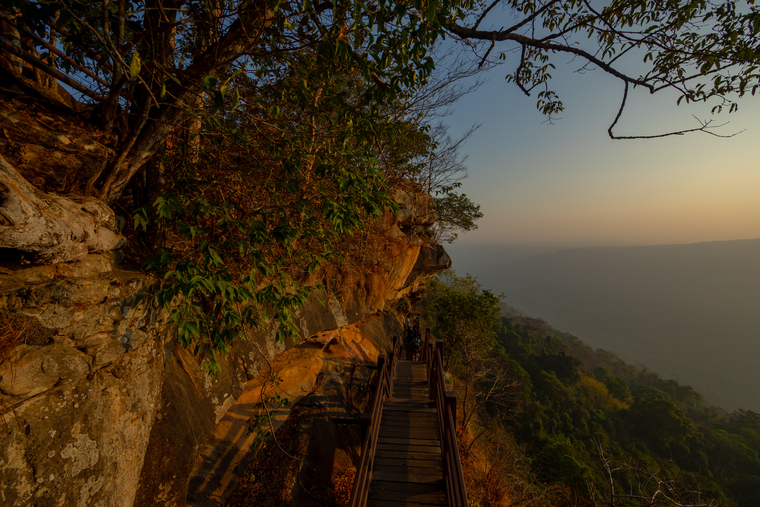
(568,184)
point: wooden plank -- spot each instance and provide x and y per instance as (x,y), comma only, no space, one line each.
(407,432)
(389,437)
(435,463)
(425,476)
(406,454)
(404,487)
(409,411)
(417,426)
(430,449)
(396,503)
(409,441)
(410,397)
(411,414)
(410,417)
(418,423)
(421,407)
(433,498)
(404,479)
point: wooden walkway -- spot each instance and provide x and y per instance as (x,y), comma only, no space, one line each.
(408,466)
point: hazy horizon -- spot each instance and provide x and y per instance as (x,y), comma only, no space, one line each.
(513,251)
(685,311)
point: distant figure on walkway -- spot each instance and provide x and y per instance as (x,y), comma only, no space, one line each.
(413,338)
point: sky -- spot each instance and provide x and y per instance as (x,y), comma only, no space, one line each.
(570,185)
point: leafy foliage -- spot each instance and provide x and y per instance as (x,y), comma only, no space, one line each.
(700,50)
(600,431)
(256,139)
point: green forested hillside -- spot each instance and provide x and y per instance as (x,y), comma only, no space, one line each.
(591,426)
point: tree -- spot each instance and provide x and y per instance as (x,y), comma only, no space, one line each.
(463,315)
(165,54)
(318,91)
(245,135)
(701,50)
(454,212)
(630,484)
(660,422)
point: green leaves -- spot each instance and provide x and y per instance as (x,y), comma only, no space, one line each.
(283,170)
(135,65)
(462,313)
(455,212)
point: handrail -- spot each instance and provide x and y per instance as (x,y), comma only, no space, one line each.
(446,403)
(386,373)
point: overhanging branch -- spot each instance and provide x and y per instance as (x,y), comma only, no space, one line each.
(491,35)
(705,126)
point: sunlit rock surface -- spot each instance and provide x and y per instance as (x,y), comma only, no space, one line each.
(332,371)
(101,407)
(79,390)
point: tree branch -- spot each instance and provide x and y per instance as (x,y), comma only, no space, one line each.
(704,125)
(469,33)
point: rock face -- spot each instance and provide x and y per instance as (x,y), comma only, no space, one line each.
(101,407)
(323,378)
(80,387)
(50,153)
(51,229)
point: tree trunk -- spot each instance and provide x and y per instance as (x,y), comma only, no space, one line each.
(214,61)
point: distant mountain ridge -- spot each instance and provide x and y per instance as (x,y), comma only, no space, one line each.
(691,312)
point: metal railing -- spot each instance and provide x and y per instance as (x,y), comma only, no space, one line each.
(386,372)
(446,403)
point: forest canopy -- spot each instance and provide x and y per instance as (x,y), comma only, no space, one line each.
(587,428)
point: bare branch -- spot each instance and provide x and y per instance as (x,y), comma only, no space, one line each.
(705,126)
(485,13)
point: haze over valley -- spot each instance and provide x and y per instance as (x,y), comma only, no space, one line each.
(689,312)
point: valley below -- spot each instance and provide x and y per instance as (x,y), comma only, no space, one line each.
(688,312)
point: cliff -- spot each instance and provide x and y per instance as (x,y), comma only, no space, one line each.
(100,406)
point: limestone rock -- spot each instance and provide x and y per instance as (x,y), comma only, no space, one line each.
(415,207)
(77,417)
(51,229)
(103,408)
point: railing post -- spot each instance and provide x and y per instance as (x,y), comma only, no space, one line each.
(451,403)
(389,374)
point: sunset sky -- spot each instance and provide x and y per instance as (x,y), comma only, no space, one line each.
(569,185)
